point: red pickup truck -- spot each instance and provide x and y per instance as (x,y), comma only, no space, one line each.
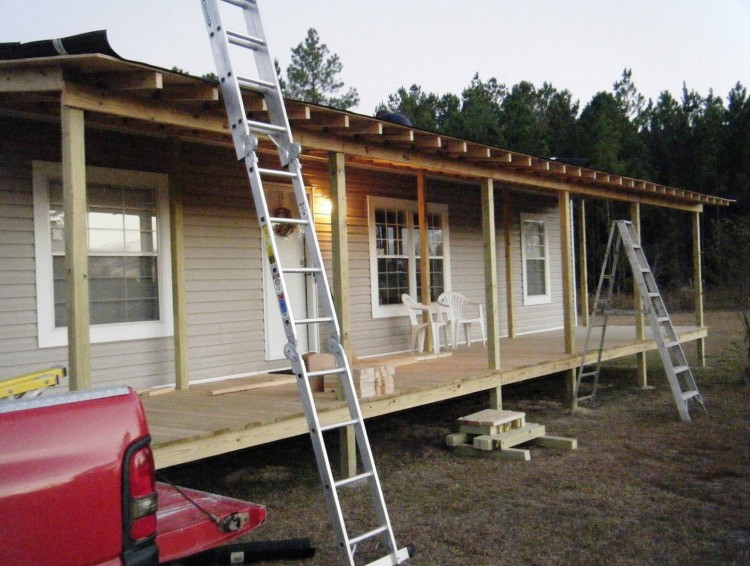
(77,487)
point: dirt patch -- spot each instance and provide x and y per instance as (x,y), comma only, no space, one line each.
(642,488)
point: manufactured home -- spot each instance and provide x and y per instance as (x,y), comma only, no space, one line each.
(131,253)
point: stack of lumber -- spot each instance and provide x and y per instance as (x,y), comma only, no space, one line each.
(368,381)
(499,432)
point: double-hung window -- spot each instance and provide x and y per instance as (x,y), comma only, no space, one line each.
(535,260)
(129,271)
(395,253)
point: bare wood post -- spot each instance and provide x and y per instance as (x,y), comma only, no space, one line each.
(640,319)
(424,253)
(76,247)
(340,260)
(698,286)
(508,251)
(583,277)
(568,287)
(177,244)
(490,287)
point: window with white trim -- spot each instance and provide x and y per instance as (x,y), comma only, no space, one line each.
(535,260)
(127,226)
(395,253)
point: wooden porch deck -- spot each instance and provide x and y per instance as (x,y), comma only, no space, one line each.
(189,425)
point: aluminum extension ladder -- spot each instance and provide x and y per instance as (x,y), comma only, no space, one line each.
(681,380)
(245,133)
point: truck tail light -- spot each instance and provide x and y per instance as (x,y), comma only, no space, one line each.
(141,494)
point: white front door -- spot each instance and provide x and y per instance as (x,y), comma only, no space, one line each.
(292,254)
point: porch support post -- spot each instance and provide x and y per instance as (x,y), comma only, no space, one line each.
(76,247)
(640,319)
(490,287)
(340,261)
(568,286)
(508,254)
(424,254)
(698,286)
(583,277)
(177,248)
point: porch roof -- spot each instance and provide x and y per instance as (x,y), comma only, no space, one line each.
(140,98)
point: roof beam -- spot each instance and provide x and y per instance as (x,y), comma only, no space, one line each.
(154,111)
(40,79)
(139,80)
(187,93)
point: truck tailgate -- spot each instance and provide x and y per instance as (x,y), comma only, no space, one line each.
(183,529)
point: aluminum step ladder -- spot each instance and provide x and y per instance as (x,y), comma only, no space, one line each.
(226,44)
(680,377)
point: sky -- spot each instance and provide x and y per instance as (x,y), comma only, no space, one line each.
(579,45)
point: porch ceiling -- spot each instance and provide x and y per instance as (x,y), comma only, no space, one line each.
(131,96)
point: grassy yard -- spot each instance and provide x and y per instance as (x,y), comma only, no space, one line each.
(642,488)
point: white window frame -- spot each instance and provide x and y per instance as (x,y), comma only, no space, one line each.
(547,296)
(48,334)
(410,209)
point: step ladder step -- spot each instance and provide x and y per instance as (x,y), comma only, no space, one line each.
(283,220)
(310,270)
(261,86)
(681,369)
(587,374)
(671,344)
(265,128)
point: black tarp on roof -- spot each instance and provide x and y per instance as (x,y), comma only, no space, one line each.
(81,44)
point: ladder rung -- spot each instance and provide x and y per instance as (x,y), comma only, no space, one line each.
(661,319)
(689,395)
(301,270)
(671,344)
(242,40)
(353,479)
(277,173)
(265,128)
(653,295)
(587,374)
(585,398)
(313,320)
(257,85)
(320,372)
(341,424)
(241,3)
(681,369)
(281,220)
(373,533)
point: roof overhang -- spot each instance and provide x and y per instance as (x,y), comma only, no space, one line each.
(132,96)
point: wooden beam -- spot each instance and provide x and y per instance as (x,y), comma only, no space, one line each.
(177,248)
(640,319)
(76,247)
(188,93)
(154,111)
(139,80)
(508,249)
(424,255)
(583,277)
(698,286)
(341,293)
(568,288)
(41,79)
(490,281)
(479,169)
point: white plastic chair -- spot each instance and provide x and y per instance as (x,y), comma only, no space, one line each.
(463,312)
(419,327)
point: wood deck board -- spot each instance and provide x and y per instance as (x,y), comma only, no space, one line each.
(189,425)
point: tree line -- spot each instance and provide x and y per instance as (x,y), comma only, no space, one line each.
(697,142)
